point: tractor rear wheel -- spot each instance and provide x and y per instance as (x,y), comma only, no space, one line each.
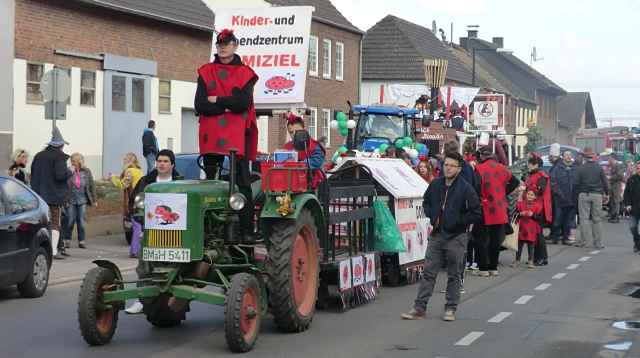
(98,321)
(293,268)
(160,314)
(242,314)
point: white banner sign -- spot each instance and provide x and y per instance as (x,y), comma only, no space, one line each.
(394,175)
(371,267)
(358,273)
(345,275)
(414,227)
(274,42)
(485,113)
(165,211)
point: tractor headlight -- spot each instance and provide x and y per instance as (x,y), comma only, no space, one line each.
(237,201)
(138,202)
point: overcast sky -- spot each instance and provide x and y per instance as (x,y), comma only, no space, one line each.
(586,45)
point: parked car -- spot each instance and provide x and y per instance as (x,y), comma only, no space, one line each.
(25,245)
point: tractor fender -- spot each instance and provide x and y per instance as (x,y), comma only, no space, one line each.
(299,201)
(109,266)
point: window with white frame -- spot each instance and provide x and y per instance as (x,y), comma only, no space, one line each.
(34,76)
(313,56)
(339,61)
(326,58)
(164,94)
(87,88)
(325,129)
(313,120)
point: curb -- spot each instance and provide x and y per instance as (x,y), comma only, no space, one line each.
(69,279)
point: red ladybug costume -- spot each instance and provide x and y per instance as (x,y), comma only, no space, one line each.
(221,132)
(538,181)
(494,178)
(529,227)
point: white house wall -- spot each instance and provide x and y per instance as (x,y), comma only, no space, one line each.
(83,128)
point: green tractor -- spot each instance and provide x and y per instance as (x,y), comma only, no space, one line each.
(192,251)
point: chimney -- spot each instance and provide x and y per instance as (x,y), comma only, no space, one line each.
(472,34)
(498,41)
(464,43)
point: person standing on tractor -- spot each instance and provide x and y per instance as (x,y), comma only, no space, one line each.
(313,153)
(452,205)
(224,101)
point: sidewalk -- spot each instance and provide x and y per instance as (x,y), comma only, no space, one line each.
(108,247)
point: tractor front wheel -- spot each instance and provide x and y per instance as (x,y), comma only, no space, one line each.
(293,268)
(98,321)
(160,314)
(242,314)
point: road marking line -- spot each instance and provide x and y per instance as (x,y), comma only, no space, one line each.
(559,276)
(584,258)
(499,317)
(523,300)
(595,252)
(469,339)
(543,287)
(573,266)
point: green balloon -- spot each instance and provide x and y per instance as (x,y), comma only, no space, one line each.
(342,149)
(399,144)
(342,125)
(340,116)
(383,148)
(344,132)
(408,141)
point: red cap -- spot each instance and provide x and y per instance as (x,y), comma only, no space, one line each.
(225,36)
(293,118)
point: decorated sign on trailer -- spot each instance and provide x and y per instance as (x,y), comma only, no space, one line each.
(274,42)
(414,227)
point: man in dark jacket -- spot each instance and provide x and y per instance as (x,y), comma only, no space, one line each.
(150,145)
(49,175)
(591,186)
(452,205)
(164,172)
(632,205)
(562,188)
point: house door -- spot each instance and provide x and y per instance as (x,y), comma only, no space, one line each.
(189,136)
(126,114)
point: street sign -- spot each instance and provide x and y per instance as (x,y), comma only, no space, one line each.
(485,113)
(56,89)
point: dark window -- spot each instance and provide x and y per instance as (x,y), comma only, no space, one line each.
(137,95)
(88,88)
(15,199)
(118,93)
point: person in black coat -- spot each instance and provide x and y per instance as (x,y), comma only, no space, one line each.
(49,176)
(631,200)
(150,145)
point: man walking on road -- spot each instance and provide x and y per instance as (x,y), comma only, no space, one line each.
(452,205)
(562,189)
(632,205)
(616,177)
(49,175)
(150,145)
(591,186)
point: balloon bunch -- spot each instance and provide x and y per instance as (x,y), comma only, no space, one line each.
(342,124)
(414,150)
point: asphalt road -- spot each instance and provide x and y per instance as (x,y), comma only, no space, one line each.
(566,310)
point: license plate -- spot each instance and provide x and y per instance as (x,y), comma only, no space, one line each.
(166,255)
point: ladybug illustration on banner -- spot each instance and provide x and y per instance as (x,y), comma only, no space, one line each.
(165,215)
(280,84)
